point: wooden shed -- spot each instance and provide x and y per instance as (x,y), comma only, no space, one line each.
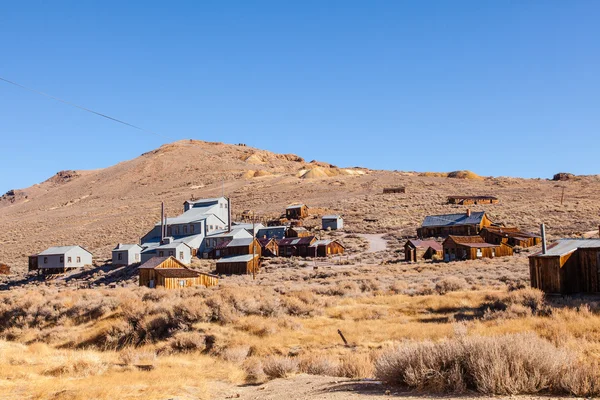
(510,236)
(473,248)
(297,231)
(297,211)
(416,249)
(170,273)
(296,247)
(33,262)
(463,224)
(269,247)
(4,269)
(397,189)
(569,266)
(239,265)
(326,247)
(472,200)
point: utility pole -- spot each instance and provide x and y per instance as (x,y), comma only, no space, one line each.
(253,250)
(562,197)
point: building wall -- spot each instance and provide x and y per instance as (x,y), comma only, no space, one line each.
(54,261)
(128,257)
(181,252)
(329,250)
(239,268)
(332,224)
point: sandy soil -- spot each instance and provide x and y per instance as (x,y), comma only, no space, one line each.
(376,242)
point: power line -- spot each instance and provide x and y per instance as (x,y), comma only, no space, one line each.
(84,108)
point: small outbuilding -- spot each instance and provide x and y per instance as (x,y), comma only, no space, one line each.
(298,211)
(326,247)
(269,247)
(33,262)
(126,254)
(510,236)
(170,273)
(239,265)
(332,222)
(55,260)
(472,248)
(296,247)
(4,269)
(297,231)
(416,249)
(472,200)
(396,189)
(272,232)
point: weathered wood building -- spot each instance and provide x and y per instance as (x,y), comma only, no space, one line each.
(465,224)
(296,247)
(511,236)
(397,189)
(239,265)
(569,266)
(326,247)
(472,200)
(416,249)
(297,211)
(472,248)
(269,247)
(297,231)
(170,273)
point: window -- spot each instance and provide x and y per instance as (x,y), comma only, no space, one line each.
(161,253)
(62,258)
(68,259)
(211,227)
(479,254)
(137,257)
(221,205)
(78,259)
(192,228)
(171,252)
(493,253)
(185,230)
(119,256)
(182,283)
(45,260)
(169,231)
(181,255)
(177,230)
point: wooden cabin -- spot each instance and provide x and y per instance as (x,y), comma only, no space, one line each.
(4,269)
(296,247)
(511,236)
(297,231)
(415,250)
(464,224)
(397,189)
(170,273)
(269,247)
(238,247)
(324,248)
(33,262)
(569,266)
(298,211)
(238,265)
(472,248)
(472,200)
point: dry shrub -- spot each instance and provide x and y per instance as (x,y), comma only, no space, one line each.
(516,304)
(504,365)
(186,342)
(235,354)
(79,365)
(398,287)
(254,370)
(356,366)
(280,366)
(131,356)
(450,284)
(316,364)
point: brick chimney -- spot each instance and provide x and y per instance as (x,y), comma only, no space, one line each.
(468,212)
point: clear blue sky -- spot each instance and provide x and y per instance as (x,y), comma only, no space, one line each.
(498,87)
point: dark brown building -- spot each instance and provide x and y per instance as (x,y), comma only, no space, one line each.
(416,249)
(296,211)
(269,247)
(472,200)
(397,189)
(472,248)
(238,265)
(296,247)
(465,224)
(324,248)
(511,236)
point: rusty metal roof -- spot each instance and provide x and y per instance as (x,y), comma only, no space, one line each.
(425,244)
(471,241)
(565,246)
(303,241)
(453,219)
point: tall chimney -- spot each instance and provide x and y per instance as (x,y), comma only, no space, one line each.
(162,221)
(468,212)
(544,247)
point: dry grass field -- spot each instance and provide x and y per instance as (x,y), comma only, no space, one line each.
(426,328)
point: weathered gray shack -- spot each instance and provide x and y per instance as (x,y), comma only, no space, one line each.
(332,222)
(126,254)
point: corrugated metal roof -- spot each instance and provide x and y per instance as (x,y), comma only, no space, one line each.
(294,206)
(153,262)
(471,241)
(565,246)
(242,258)
(57,250)
(125,247)
(235,233)
(425,244)
(330,217)
(296,241)
(453,219)
(241,242)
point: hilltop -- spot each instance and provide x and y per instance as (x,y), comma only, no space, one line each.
(100,208)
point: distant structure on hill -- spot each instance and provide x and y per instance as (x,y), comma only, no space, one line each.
(472,200)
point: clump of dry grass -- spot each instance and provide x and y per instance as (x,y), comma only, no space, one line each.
(515,304)
(319,364)
(504,365)
(79,365)
(356,366)
(280,366)
(450,284)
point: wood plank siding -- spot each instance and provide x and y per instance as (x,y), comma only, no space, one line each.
(170,273)
(398,189)
(576,272)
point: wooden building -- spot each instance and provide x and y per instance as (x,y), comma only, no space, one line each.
(472,248)
(332,222)
(511,236)
(236,247)
(4,269)
(472,200)
(33,262)
(239,265)
(324,248)
(397,189)
(297,231)
(416,249)
(298,211)
(465,224)
(296,247)
(170,273)
(269,247)
(569,266)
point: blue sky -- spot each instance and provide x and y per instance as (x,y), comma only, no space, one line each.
(499,87)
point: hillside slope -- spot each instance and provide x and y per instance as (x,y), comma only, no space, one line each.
(100,208)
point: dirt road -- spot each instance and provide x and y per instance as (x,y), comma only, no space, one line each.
(376,241)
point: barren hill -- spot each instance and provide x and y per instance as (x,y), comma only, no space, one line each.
(99,208)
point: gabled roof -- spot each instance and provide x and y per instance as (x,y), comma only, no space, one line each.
(58,250)
(453,219)
(325,242)
(296,241)
(295,206)
(234,233)
(471,241)
(265,241)
(298,228)
(241,242)
(425,244)
(178,272)
(565,246)
(242,258)
(511,232)
(155,262)
(126,247)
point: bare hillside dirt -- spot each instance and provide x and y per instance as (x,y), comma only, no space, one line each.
(99,208)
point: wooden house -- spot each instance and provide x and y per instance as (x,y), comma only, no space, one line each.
(55,260)
(324,248)
(473,248)
(397,189)
(297,211)
(4,269)
(465,224)
(33,262)
(472,200)
(332,222)
(415,250)
(269,247)
(170,273)
(297,231)
(511,236)
(239,265)
(568,266)
(296,247)
(236,247)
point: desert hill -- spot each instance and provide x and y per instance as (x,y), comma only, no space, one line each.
(100,208)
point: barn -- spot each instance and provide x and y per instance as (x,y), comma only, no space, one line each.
(473,248)
(464,224)
(568,266)
(298,211)
(269,247)
(296,247)
(472,200)
(326,247)
(416,249)
(170,273)
(510,236)
(238,265)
